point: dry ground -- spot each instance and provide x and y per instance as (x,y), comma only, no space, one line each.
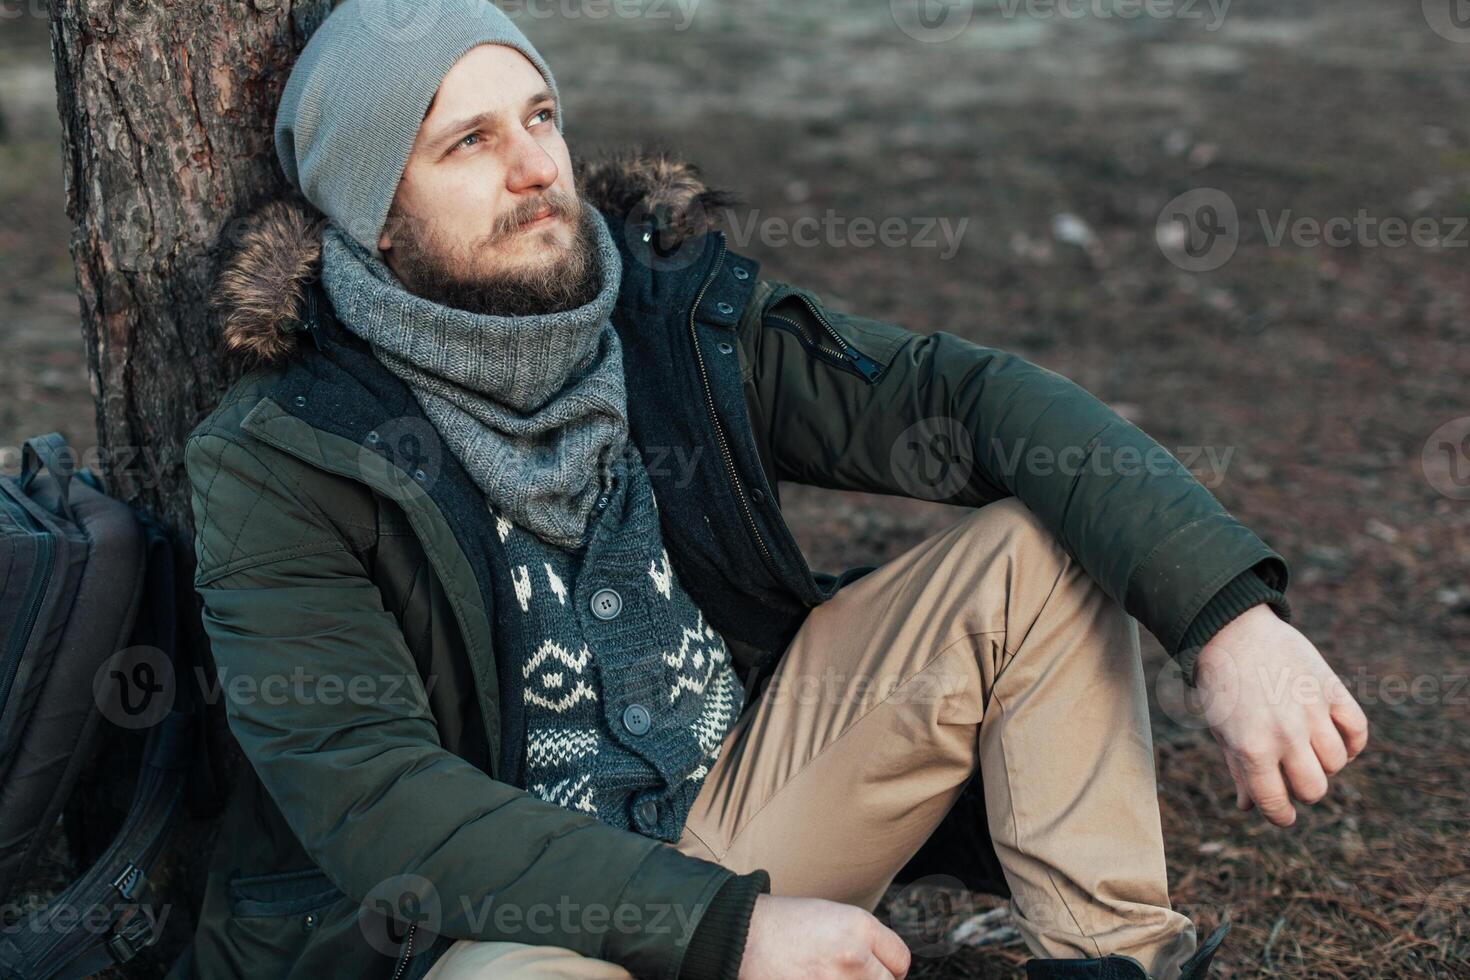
(1322,371)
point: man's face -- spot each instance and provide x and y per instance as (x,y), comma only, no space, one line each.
(487,217)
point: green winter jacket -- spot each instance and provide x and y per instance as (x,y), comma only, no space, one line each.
(354,654)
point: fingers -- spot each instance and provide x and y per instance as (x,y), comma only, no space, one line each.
(1304,773)
(1263,776)
(891,951)
(875,970)
(1348,716)
(1328,746)
(1242,791)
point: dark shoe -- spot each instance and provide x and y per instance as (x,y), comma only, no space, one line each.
(1197,967)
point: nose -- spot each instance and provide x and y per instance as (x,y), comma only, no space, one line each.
(532,169)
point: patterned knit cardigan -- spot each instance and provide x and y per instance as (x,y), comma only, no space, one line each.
(626,692)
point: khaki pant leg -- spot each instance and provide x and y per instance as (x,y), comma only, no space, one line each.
(987,646)
(470,960)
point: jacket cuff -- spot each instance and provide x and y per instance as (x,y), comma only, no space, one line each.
(718,943)
(1181,574)
(1247,590)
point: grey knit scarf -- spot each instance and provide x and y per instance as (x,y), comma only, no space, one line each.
(534,407)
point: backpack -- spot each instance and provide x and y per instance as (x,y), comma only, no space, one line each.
(87,647)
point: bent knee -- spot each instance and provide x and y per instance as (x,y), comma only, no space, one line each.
(1010,526)
(1010,530)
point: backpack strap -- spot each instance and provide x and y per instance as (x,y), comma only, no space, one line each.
(52,452)
(63,940)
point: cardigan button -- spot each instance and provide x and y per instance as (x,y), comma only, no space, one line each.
(647,813)
(636,719)
(606,603)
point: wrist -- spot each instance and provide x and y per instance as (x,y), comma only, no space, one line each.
(718,945)
(1246,592)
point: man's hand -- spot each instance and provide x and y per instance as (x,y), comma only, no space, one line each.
(1276,708)
(801,938)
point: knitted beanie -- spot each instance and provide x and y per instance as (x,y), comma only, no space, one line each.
(359,91)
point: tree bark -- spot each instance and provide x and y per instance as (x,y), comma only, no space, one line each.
(167,109)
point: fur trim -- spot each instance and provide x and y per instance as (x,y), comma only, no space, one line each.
(640,183)
(261,287)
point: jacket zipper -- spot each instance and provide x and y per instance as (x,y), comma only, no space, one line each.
(407,953)
(714,418)
(33,610)
(845,351)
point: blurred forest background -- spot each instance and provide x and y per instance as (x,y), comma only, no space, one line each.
(1319,387)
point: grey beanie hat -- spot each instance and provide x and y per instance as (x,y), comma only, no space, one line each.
(358,94)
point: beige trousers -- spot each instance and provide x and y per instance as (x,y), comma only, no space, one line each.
(984,645)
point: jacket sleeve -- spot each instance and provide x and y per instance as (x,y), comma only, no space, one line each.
(363,780)
(848,402)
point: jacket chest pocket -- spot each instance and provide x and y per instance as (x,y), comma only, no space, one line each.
(852,343)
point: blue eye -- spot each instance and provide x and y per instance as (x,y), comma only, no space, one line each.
(464,142)
(545,112)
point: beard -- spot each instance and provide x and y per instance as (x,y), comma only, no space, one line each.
(445,273)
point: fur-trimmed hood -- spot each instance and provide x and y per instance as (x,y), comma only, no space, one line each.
(260,290)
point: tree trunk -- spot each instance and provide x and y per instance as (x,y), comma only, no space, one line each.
(167,110)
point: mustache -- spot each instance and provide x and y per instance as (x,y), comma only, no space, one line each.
(560,205)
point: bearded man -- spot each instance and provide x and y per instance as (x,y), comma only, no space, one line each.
(501,486)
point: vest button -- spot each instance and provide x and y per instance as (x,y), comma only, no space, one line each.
(724,308)
(741,273)
(757,495)
(606,603)
(648,813)
(725,347)
(636,719)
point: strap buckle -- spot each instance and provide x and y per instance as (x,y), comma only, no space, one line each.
(129,937)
